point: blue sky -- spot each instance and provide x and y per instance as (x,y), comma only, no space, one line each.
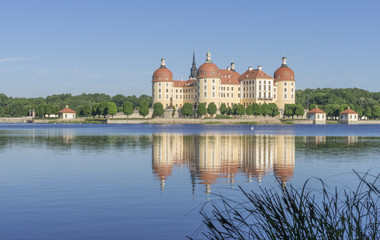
(87,46)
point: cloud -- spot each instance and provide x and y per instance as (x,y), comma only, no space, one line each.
(16,59)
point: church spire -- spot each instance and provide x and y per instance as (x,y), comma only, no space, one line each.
(193,70)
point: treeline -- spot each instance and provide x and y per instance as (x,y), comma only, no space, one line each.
(255,109)
(333,101)
(84,104)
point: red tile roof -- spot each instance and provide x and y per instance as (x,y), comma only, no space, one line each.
(162,74)
(316,110)
(67,110)
(229,77)
(186,83)
(348,111)
(254,74)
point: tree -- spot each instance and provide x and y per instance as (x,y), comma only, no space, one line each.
(249,110)
(211,108)
(256,109)
(41,110)
(56,110)
(111,108)
(312,106)
(265,109)
(127,108)
(273,109)
(240,110)
(229,111)
(158,109)
(118,99)
(368,112)
(144,108)
(187,109)
(94,111)
(87,111)
(376,111)
(289,109)
(48,109)
(223,109)
(102,109)
(233,109)
(201,110)
(299,110)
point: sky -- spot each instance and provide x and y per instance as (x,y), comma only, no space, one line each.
(113,47)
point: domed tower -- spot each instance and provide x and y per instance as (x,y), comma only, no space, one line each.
(208,81)
(286,85)
(162,85)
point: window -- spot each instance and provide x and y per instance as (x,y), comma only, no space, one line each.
(213,73)
(213,87)
(285,96)
(285,89)
(232,95)
(167,90)
(213,81)
(232,88)
(159,90)
(176,90)
(228,88)
(204,74)
(228,95)
(292,90)
(292,96)
(213,94)
(205,87)
(159,84)
(274,95)
(205,81)
(205,94)
(159,96)
(285,83)
(167,96)
(167,84)
(238,88)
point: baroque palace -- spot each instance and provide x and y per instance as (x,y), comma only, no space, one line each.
(209,84)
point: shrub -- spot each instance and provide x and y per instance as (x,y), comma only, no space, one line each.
(299,213)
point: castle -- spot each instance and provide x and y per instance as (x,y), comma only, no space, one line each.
(209,84)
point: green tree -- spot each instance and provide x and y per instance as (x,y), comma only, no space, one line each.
(119,99)
(299,110)
(312,106)
(56,110)
(240,110)
(249,110)
(41,110)
(223,109)
(127,108)
(48,109)
(368,112)
(265,109)
(376,111)
(144,108)
(102,109)
(273,109)
(211,108)
(111,108)
(289,110)
(201,110)
(158,109)
(187,109)
(229,111)
(87,110)
(256,108)
(94,111)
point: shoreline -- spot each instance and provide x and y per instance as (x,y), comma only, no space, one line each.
(176,121)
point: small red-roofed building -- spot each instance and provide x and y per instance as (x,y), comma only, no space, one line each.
(67,113)
(317,115)
(348,116)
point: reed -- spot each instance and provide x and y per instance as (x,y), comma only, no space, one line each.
(288,212)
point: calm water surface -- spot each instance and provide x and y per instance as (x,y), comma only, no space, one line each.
(149,181)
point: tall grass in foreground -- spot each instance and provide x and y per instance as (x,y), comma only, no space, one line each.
(298,213)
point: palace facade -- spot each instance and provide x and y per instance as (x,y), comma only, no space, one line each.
(209,84)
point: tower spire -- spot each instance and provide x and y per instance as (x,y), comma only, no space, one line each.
(193,70)
(208,56)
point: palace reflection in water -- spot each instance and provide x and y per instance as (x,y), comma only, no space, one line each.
(218,158)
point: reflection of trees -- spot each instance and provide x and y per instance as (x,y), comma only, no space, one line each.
(68,140)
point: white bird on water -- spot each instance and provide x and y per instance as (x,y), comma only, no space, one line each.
(252,128)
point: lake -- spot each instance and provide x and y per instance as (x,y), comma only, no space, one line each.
(71,181)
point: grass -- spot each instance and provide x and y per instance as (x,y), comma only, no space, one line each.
(223,117)
(213,122)
(250,123)
(298,213)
